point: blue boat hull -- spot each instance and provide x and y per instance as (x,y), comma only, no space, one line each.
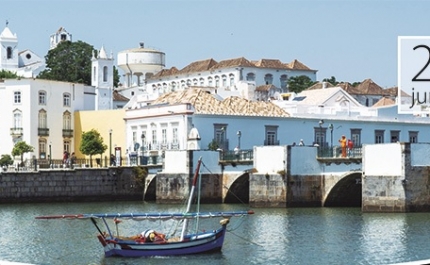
(192,244)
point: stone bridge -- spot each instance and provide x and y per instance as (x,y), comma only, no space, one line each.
(392,177)
(262,182)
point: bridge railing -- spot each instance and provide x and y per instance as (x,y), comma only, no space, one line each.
(336,152)
(242,155)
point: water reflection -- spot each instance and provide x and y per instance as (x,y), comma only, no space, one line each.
(271,236)
(383,233)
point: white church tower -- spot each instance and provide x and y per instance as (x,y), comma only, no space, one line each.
(60,35)
(8,50)
(102,79)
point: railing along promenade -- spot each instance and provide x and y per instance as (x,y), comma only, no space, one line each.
(326,155)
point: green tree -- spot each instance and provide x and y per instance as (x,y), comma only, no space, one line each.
(20,149)
(213,145)
(6,160)
(92,144)
(332,80)
(299,83)
(116,77)
(4,74)
(69,62)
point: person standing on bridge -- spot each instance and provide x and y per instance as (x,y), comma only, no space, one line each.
(342,142)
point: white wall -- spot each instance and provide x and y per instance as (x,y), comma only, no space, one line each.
(270,159)
(383,160)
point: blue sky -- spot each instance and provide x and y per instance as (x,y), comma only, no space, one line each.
(351,40)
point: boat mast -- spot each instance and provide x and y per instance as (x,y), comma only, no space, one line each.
(190,198)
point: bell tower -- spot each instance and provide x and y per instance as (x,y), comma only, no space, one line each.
(102,79)
(8,50)
(60,35)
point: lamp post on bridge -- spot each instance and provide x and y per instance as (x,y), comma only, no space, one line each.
(331,137)
(239,134)
(50,155)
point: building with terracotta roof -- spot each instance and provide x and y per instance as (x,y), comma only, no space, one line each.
(231,77)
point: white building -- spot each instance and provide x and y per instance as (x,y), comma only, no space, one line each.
(232,77)
(41,112)
(24,63)
(320,117)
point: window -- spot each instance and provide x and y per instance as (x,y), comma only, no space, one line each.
(9,52)
(394,136)
(202,82)
(271,135)
(42,98)
(216,81)
(94,73)
(195,82)
(182,84)
(154,136)
(250,77)
(17,119)
(164,136)
(231,76)
(66,146)
(224,80)
(379,136)
(105,74)
(42,148)
(188,82)
(173,86)
(320,136)
(210,81)
(66,100)
(356,137)
(42,119)
(134,137)
(283,80)
(67,121)
(17,97)
(413,137)
(220,132)
(268,79)
(175,138)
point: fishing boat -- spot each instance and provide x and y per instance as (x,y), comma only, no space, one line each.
(151,242)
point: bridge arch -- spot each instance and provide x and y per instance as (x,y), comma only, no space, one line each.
(347,192)
(238,190)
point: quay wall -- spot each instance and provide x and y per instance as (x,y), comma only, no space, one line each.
(101,184)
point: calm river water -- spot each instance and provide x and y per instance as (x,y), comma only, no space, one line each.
(270,236)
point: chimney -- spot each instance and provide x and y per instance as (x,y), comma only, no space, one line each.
(141,44)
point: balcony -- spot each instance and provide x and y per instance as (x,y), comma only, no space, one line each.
(43,131)
(67,133)
(16,132)
(273,142)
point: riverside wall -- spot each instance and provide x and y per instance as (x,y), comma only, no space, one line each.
(87,184)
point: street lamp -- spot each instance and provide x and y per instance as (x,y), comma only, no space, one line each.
(50,155)
(321,122)
(142,138)
(110,142)
(239,134)
(331,136)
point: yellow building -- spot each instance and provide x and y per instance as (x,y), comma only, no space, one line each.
(109,123)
